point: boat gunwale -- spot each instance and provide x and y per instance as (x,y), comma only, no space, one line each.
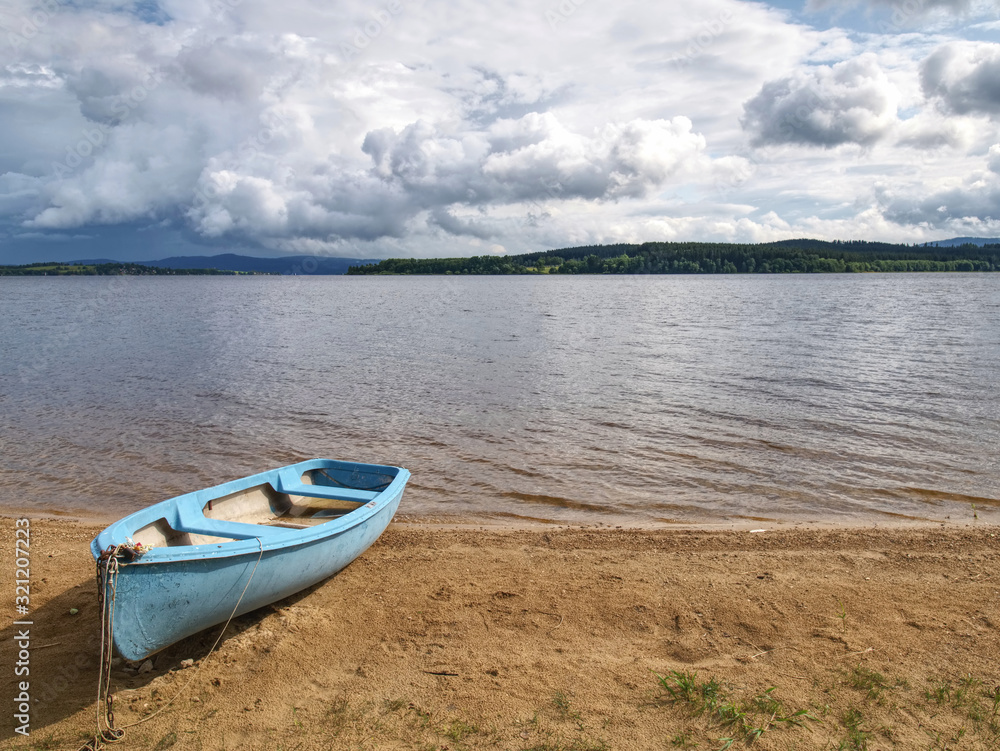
(187,510)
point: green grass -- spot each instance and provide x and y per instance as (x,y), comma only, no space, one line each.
(456,730)
(859,708)
(874,684)
(862,709)
(964,693)
(968,698)
(337,717)
(394,705)
(746,720)
(857,737)
(561,703)
(842,615)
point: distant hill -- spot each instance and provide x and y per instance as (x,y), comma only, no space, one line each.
(956,241)
(870,246)
(803,256)
(109,268)
(305,265)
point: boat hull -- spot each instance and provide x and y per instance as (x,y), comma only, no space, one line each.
(163,598)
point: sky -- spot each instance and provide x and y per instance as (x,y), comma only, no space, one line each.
(429,128)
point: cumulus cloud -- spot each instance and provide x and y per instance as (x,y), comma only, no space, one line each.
(250,123)
(222,122)
(429,168)
(143,174)
(462,226)
(930,130)
(536,157)
(852,102)
(993,161)
(628,160)
(332,204)
(960,206)
(972,202)
(229,69)
(964,77)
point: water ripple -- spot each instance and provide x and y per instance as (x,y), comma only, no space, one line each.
(564,399)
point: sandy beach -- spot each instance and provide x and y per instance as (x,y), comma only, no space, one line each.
(556,638)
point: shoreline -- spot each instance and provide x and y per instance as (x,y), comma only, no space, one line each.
(553,639)
(504,523)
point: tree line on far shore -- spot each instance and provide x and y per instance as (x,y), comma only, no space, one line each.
(786,257)
(53,268)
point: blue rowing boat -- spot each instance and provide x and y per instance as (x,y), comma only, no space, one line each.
(184,564)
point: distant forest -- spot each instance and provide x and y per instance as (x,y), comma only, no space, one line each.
(785,257)
(52,268)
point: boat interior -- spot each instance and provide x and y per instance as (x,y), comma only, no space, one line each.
(288,501)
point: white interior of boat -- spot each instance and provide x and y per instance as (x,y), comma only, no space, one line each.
(261,505)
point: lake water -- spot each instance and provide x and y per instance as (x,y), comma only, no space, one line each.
(612,400)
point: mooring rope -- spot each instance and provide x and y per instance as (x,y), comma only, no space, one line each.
(108,573)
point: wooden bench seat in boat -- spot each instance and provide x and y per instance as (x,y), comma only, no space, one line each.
(287,482)
(199,524)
